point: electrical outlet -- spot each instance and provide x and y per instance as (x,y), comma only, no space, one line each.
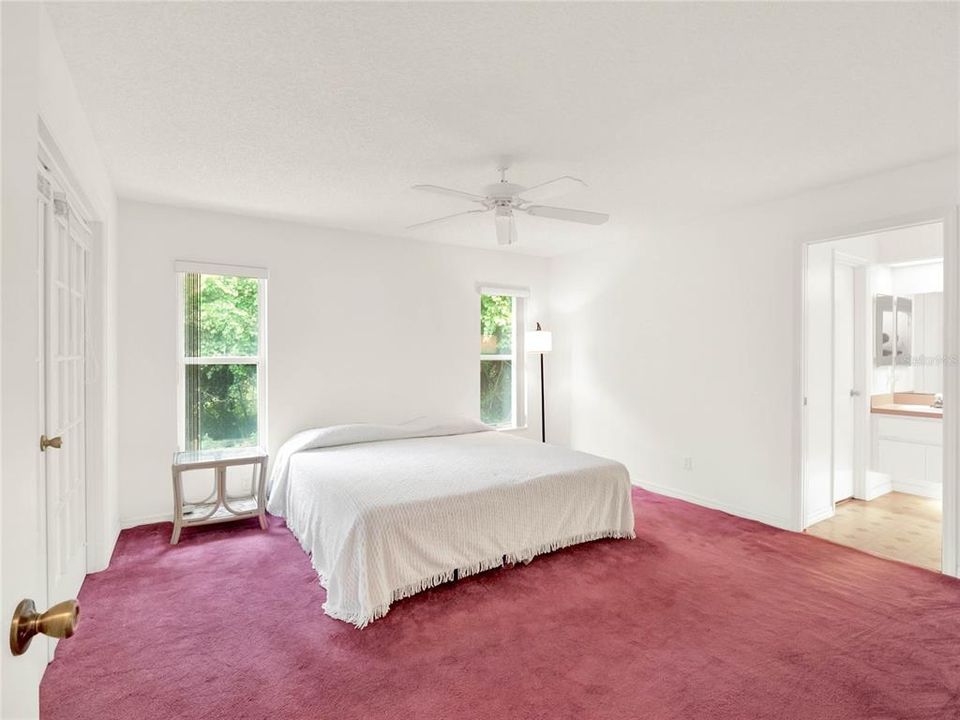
(688,463)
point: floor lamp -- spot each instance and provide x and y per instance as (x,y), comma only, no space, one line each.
(540,341)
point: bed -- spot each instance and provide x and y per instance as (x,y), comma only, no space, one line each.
(386,511)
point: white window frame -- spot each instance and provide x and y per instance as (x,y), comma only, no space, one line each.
(518,419)
(184,267)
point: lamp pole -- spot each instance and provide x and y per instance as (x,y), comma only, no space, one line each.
(541,341)
(543,413)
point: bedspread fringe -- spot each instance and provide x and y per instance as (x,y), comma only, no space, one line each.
(362,619)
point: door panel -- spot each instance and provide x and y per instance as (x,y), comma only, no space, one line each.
(66,248)
(844,382)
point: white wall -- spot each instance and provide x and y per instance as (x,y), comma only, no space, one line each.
(35,84)
(359,329)
(682,342)
(928,342)
(910,244)
(917,279)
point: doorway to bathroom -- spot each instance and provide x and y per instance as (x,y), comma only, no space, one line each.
(875,367)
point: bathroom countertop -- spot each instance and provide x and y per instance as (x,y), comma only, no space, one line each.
(908,404)
(924,411)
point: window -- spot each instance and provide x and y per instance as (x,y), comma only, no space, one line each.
(222,369)
(501,354)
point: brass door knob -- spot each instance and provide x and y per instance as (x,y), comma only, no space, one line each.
(54,442)
(60,621)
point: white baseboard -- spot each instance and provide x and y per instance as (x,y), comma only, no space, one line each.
(104,552)
(919,487)
(878,484)
(816,516)
(713,504)
(127,523)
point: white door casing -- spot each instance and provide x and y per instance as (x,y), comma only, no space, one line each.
(805,465)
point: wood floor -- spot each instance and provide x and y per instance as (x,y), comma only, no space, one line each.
(896,525)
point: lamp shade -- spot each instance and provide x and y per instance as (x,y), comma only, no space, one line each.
(539,341)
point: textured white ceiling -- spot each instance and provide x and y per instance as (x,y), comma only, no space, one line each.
(329,112)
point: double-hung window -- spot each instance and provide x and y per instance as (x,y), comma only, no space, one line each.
(222,356)
(501,358)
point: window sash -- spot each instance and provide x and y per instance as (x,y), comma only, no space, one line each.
(223,360)
(191,267)
(509,290)
(259,360)
(518,413)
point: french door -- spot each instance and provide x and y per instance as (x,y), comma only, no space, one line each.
(66,251)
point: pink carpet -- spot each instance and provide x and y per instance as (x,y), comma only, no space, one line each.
(704,616)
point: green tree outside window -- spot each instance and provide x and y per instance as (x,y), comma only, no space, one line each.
(496,373)
(221,319)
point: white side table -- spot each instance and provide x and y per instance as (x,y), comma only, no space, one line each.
(219,506)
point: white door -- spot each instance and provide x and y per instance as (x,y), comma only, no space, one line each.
(66,252)
(844,381)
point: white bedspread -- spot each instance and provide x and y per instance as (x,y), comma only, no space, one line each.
(388,511)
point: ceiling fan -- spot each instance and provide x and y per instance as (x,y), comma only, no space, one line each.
(505,198)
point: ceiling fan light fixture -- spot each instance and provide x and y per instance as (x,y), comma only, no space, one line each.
(506,226)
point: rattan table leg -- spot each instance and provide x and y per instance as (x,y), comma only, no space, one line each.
(177,506)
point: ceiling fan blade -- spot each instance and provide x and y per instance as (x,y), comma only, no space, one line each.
(552,188)
(579,216)
(445,217)
(506,228)
(436,189)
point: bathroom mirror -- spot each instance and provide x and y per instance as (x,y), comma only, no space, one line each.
(893,323)
(885,331)
(903,330)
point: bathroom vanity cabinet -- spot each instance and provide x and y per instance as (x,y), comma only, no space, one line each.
(907,455)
